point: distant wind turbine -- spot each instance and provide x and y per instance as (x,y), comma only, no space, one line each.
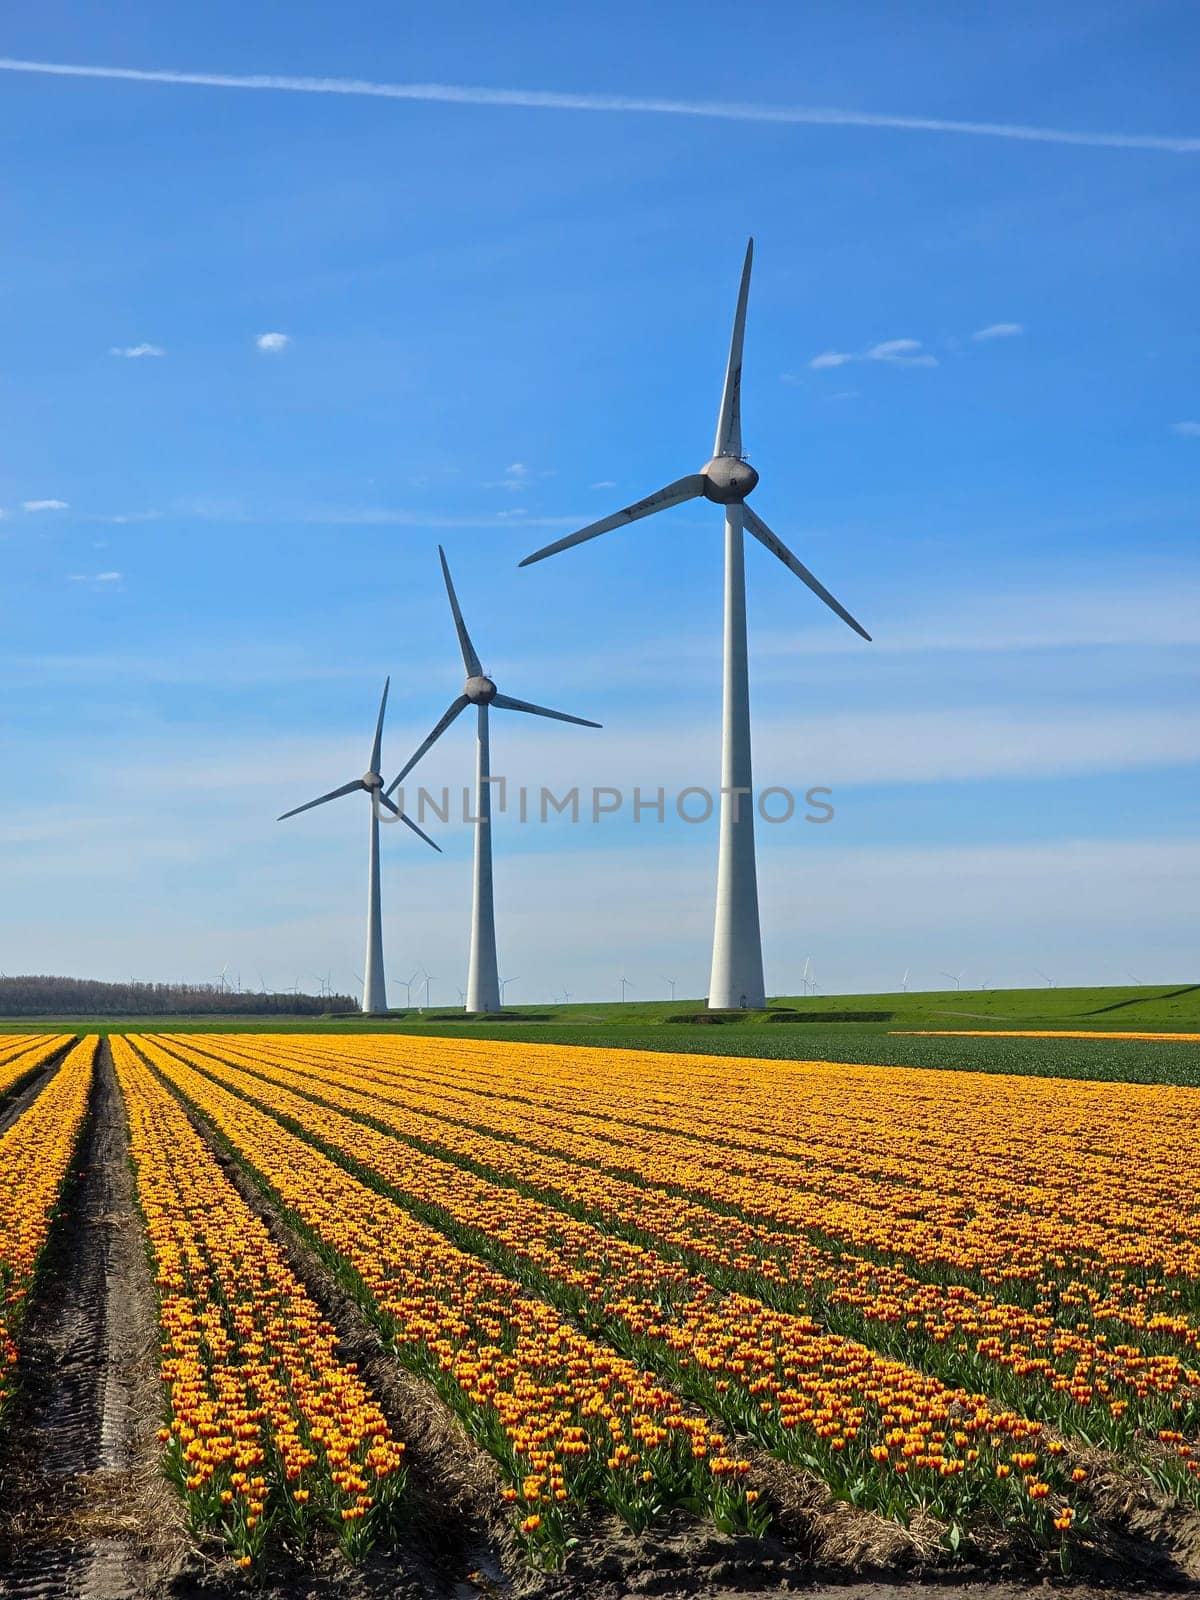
(955,980)
(671,983)
(1046,976)
(726,479)
(406,985)
(483,981)
(374,998)
(504,983)
(626,984)
(904,981)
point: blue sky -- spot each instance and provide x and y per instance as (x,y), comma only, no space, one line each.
(501,321)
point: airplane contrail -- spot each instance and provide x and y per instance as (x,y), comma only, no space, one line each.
(554,100)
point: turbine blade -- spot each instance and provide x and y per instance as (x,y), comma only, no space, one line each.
(420,833)
(470,659)
(334,794)
(452,711)
(754,524)
(729,421)
(408,822)
(507,703)
(377,747)
(673,495)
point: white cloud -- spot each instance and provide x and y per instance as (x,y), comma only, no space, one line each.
(1190,430)
(605,483)
(44,505)
(133,352)
(94,579)
(896,352)
(273,343)
(516,476)
(998,330)
(901,353)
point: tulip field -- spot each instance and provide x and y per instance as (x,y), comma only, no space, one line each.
(637,1288)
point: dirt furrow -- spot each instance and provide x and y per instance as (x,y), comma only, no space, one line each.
(86,1512)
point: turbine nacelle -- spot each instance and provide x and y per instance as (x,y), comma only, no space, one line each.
(728,480)
(479,690)
(371,780)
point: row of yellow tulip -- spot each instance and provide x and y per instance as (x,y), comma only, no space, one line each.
(1080,1192)
(35,1158)
(18,1061)
(269,1432)
(1072,1377)
(900,1436)
(566,1417)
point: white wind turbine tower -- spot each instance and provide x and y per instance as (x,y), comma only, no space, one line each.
(374,999)
(737,968)
(483,977)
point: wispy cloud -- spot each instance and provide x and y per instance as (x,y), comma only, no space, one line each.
(901,353)
(134,352)
(96,580)
(896,352)
(273,343)
(516,476)
(1190,430)
(998,330)
(43,505)
(604,483)
(556,100)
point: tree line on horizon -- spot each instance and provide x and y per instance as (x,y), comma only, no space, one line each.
(45,996)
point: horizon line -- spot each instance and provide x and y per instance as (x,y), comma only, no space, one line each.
(556,100)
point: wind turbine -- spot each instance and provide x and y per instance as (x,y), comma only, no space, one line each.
(483,979)
(625,984)
(504,983)
(671,983)
(1048,978)
(406,985)
(956,981)
(904,981)
(726,479)
(374,998)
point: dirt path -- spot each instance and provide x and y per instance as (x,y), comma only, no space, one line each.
(85,1511)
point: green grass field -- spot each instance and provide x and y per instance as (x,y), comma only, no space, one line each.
(807,1033)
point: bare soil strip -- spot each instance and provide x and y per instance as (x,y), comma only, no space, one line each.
(86,1512)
